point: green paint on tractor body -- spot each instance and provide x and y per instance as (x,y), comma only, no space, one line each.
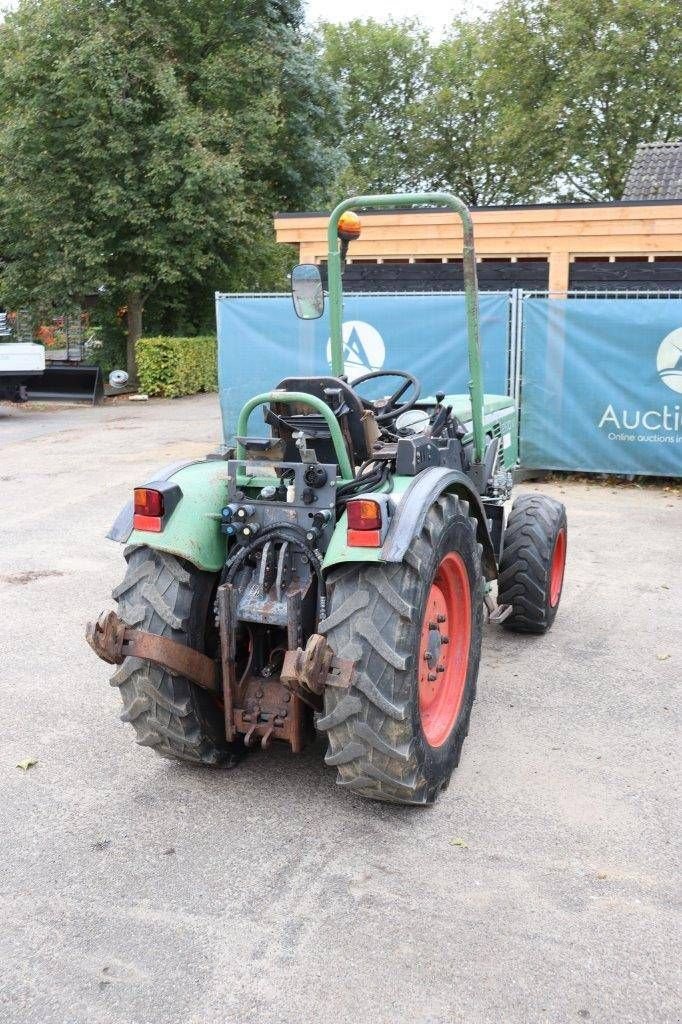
(193,528)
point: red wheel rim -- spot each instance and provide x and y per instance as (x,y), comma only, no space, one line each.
(556,572)
(444,649)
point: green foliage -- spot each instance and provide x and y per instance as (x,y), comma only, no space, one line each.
(380,67)
(171,367)
(538,99)
(475,133)
(109,353)
(145,144)
(109,348)
(603,76)
(422,115)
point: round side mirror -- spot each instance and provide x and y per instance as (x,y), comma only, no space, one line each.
(307,292)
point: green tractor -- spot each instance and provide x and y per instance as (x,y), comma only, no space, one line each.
(335,574)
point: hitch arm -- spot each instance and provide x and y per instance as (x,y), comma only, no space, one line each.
(112,641)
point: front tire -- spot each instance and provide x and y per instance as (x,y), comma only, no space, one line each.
(169,713)
(533,560)
(396,734)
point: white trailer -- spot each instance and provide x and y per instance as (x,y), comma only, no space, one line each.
(21,362)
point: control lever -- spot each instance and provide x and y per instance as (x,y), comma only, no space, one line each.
(440,420)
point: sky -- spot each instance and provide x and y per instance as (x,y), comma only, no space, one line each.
(434,13)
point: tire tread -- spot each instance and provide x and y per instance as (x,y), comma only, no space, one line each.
(169,713)
(372,620)
(523,580)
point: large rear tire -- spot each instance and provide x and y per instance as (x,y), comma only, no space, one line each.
(533,560)
(414,630)
(172,715)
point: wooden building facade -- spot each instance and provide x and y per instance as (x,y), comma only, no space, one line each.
(613,246)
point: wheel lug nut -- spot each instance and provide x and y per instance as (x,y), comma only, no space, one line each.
(445,639)
(431,677)
(433,625)
(440,668)
(440,618)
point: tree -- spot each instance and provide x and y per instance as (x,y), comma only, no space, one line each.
(620,83)
(144,144)
(601,75)
(477,133)
(380,68)
(537,100)
(425,116)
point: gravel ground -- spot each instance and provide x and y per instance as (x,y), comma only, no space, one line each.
(541,888)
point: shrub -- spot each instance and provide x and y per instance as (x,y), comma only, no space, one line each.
(171,367)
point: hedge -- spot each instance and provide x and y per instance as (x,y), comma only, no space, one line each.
(177,366)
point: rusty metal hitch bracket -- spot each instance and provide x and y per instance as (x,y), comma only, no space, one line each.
(112,641)
(316,667)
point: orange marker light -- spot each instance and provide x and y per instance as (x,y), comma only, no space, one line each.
(349,226)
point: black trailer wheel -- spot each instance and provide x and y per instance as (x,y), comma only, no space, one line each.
(171,714)
(414,630)
(533,562)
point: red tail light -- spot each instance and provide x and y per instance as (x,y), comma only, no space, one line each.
(364,523)
(148,510)
(364,514)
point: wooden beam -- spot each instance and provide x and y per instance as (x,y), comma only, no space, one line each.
(387,232)
(623,245)
(551,233)
(558,273)
(493,214)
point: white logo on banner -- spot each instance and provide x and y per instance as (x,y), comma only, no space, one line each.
(660,426)
(363,349)
(669,360)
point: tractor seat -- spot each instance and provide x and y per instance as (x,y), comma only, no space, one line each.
(358,426)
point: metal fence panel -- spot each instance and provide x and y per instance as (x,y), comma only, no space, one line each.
(601,384)
(261,341)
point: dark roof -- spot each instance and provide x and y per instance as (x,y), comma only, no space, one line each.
(656,172)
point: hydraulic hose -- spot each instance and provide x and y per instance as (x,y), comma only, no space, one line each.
(293,534)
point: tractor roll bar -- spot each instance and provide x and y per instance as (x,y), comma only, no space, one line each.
(470,289)
(289,398)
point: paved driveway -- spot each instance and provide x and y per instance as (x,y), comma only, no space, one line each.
(541,888)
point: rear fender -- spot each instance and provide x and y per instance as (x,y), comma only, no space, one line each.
(192,530)
(412,498)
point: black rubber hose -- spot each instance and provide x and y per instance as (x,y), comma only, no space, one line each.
(285,532)
(370,482)
(267,534)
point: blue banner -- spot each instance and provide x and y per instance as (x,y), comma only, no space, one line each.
(602,385)
(261,341)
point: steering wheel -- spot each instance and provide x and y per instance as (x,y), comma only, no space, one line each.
(391,408)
